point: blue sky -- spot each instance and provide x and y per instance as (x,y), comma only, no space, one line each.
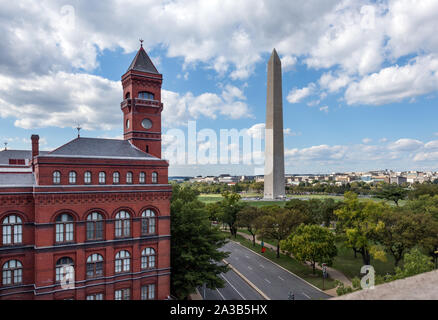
(360,78)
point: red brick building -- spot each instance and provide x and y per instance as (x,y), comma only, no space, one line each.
(94,209)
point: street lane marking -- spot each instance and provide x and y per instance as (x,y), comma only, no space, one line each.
(276,264)
(249,268)
(262,266)
(252,285)
(247,256)
(223,298)
(281,278)
(267,281)
(233,287)
(307,296)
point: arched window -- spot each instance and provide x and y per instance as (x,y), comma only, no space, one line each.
(123,261)
(56,177)
(147,148)
(72,177)
(154,177)
(12,230)
(129,177)
(64,228)
(94,266)
(148,258)
(87,177)
(127,95)
(116,177)
(12,272)
(102,177)
(64,268)
(146,95)
(123,224)
(142,177)
(148,222)
(94,226)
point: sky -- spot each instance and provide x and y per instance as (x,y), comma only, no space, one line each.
(360,78)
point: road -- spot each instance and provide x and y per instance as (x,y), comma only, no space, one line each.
(272,280)
(235,289)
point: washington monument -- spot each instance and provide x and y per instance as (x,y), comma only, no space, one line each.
(274,146)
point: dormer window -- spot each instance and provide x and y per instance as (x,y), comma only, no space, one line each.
(146,95)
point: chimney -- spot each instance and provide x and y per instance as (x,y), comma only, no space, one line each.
(35,145)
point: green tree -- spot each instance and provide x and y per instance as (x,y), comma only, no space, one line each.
(278,223)
(247,218)
(392,192)
(424,204)
(230,205)
(415,262)
(423,189)
(311,243)
(359,223)
(404,230)
(328,207)
(194,245)
(214,210)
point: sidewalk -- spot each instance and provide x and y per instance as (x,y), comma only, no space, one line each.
(333,273)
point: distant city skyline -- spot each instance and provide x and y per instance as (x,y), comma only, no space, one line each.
(360,79)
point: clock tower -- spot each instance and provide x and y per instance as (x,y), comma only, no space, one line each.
(142,105)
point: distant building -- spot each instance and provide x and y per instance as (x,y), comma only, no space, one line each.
(398,179)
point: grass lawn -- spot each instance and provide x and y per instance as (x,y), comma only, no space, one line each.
(301,270)
(259,204)
(208,198)
(350,266)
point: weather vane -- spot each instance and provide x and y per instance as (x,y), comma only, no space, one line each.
(141,42)
(6,146)
(79,130)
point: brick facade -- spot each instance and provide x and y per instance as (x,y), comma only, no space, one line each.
(41,204)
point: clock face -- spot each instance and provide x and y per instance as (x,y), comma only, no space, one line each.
(146,123)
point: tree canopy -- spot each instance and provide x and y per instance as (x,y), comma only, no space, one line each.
(360,225)
(278,223)
(311,243)
(195,256)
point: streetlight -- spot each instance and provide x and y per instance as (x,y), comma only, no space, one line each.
(324,274)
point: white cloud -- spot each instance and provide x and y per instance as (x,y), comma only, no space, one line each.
(288,62)
(180,108)
(366,140)
(321,152)
(64,99)
(393,84)
(406,145)
(431,144)
(45,40)
(296,95)
(334,83)
(289,132)
(324,109)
